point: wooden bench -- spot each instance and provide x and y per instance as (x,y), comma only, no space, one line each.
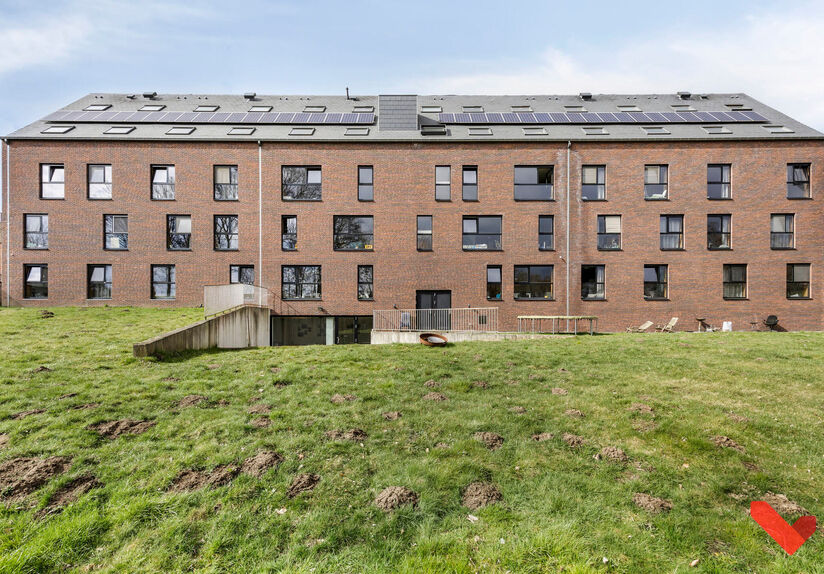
(532,321)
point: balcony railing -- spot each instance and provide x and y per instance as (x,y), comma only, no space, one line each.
(460,319)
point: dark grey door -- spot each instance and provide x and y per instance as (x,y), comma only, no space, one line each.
(433,310)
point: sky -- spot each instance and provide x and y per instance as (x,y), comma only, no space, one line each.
(53,52)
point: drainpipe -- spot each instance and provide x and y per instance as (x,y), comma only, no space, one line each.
(260,216)
(8,222)
(569,145)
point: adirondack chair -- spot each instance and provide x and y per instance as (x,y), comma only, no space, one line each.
(668,327)
(640,328)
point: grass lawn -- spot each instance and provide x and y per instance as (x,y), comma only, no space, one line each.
(561,509)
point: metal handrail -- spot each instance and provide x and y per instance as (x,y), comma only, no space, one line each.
(484,319)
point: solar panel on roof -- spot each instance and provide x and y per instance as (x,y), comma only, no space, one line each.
(657,117)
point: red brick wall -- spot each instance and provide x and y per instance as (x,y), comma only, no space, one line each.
(404,188)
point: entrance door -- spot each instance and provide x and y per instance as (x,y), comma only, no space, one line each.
(349,330)
(433,310)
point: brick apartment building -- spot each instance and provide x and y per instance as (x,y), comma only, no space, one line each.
(628,207)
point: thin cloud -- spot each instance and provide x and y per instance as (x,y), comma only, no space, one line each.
(51,41)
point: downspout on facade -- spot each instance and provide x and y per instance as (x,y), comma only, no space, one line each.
(566,251)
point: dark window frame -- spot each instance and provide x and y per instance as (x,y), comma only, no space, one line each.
(366,284)
(792,283)
(27,233)
(726,172)
(165,187)
(729,283)
(793,183)
(490,285)
(776,236)
(661,187)
(170,282)
(27,290)
(236,269)
(114,233)
(542,235)
(106,283)
(170,233)
(232,188)
(227,234)
(366,188)
(596,283)
(89,182)
(421,235)
(600,185)
(606,240)
(530,283)
(50,182)
(302,187)
(299,283)
(443,185)
(724,242)
(662,234)
(287,237)
(469,191)
(357,238)
(539,187)
(477,233)
(654,287)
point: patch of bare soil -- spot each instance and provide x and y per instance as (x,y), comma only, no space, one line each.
(541,437)
(391,415)
(281,383)
(479,494)
(223,403)
(442,445)
(261,422)
(644,426)
(113,429)
(338,399)
(213,366)
(42,369)
(751,466)
(783,505)
(170,379)
(727,442)
(612,454)
(480,384)
(738,418)
(4,440)
(575,413)
(513,382)
(69,493)
(351,434)
(66,396)
(46,314)
(275,370)
(261,462)
(302,483)
(191,400)
(24,414)
(432,384)
(84,406)
(573,440)
(491,440)
(518,410)
(559,391)
(393,497)
(562,370)
(651,503)
(195,479)
(434,397)
(641,408)
(534,376)
(259,409)
(22,476)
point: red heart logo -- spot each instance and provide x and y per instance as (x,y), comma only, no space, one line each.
(790,538)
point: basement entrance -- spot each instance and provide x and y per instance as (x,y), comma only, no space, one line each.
(349,330)
(434,310)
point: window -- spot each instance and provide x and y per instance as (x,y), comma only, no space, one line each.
(798,181)
(120,130)
(37,231)
(365,285)
(163,182)
(533,282)
(656,130)
(300,282)
(782,231)
(593,182)
(533,183)
(443,183)
(289,232)
(493,282)
(655,182)
(263,109)
(314,109)
(152,108)
(356,131)
(353,233)
(672,232)
(241,131)
(366,188)
(97,107)
(424,233)
(472,109)
(482,232)
(655,282)
(546,232)
(163,282)
(57,130)
(100,182)
(718,232)
(52,183)
(302,131)
(718,181)
(609,232)
(717,130)
(592,282)
(735,281)
(35,281)
(180,131)
(226,182)
(100,282)
(226,233)
(301,183)
(798,281)
(116,232)
(205,108)
(242,274)
(479,131)
(178,232)
(534,131)
(470,183)
(431,109)
(363,109)
(594,130)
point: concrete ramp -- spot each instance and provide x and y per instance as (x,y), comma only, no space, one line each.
(239,328)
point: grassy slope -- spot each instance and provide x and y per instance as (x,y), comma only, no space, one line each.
(561,507)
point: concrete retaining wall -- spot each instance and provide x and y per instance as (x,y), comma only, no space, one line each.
(413,337)
(239,329)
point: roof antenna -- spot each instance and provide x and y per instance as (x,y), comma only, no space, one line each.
(347,92)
